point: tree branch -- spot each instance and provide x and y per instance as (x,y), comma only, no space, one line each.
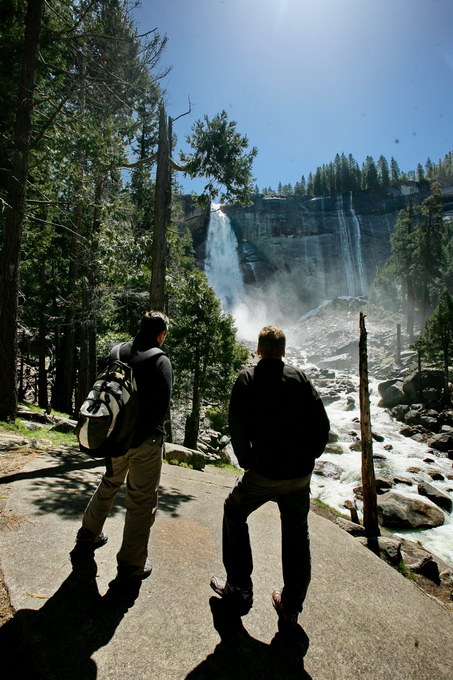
(149,159)
(184,114)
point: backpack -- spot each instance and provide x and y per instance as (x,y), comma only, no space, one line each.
(108,416)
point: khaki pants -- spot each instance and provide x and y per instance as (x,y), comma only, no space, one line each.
(142,466)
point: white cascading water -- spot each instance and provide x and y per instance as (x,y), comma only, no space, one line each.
(351,259)
(224,275)
(222,261)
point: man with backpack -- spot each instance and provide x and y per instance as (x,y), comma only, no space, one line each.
(141,463)
(278,427)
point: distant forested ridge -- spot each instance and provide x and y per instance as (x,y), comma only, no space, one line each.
(343,174)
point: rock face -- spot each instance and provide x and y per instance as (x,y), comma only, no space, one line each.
(316,248)
(407,512)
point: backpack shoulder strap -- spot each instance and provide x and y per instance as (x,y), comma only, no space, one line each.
(115,352)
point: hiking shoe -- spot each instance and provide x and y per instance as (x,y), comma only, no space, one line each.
(84,549)
(241,597)
(286,618)
(127,576)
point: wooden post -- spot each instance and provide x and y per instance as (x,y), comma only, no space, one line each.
(162,212)
(370,515)
(398,344)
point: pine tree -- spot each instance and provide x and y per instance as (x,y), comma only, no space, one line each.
(436,342)
(383,171)
(394,173)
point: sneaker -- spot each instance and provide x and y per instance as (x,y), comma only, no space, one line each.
(84,550)
(286,618)
(242,596)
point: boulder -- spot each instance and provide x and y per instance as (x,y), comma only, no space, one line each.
(64,426)
(421,562)
(412,417)
(402,480)
(391,547)
(392,393)
(436,475)
(446,577)
(325,468)
(407,512)
(182,454)
(377,437)
(351,527)
(383,484)
(435,495)
(333,448)
(355,446)
(429,423)
(415,385)
(442,441)
(400,411)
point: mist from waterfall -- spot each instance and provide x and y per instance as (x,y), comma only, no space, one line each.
(224,275)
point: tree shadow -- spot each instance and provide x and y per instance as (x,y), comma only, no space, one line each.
(72,460)
(65,489)
(58,640)
(171,498)
(239,656)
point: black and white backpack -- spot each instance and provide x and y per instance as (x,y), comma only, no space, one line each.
(108,416)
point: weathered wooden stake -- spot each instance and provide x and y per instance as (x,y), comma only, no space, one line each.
(370,515)
(398,344)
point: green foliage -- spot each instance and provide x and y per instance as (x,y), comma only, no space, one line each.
(436,341)
(43,432)
(218,418)
(219,154)
(203,349)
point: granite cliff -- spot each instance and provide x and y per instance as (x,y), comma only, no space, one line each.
(305,249)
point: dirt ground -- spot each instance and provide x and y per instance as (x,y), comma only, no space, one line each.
(15,453)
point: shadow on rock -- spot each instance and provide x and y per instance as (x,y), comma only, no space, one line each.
(239,655)
(58,640)
(171,499)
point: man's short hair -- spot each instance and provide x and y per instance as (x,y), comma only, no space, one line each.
(271,342)
(152,324)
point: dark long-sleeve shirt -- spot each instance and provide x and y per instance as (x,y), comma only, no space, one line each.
(154,383)
(278,423)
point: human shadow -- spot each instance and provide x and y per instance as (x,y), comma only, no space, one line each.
(239,656)
(58,640)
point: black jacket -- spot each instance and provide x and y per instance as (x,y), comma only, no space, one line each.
(278,423)
(154,383)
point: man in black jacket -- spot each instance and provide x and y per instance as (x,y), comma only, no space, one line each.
(142,463)
(278,427)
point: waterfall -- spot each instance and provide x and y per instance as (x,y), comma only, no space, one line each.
(222,261)
(351,259)
(357,244)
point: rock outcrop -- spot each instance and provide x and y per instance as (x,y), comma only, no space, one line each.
(407,512)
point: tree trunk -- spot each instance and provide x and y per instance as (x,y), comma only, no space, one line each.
(193,419)
(15,199)
(410,309)
(162,212)
(370,516)
(43,398)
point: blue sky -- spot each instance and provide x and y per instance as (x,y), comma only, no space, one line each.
(306,79)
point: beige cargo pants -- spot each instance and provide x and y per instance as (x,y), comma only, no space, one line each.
(142,466)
